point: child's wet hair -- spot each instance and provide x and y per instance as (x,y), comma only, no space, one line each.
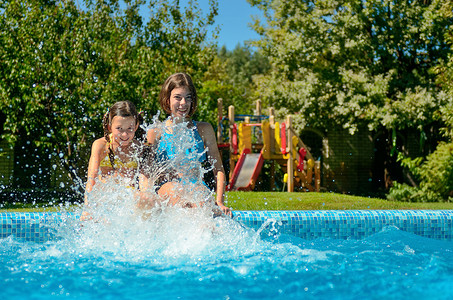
(123,109)
(176,81)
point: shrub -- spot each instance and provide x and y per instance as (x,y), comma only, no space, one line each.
(436,175)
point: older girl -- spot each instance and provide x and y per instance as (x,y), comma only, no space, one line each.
(178,98)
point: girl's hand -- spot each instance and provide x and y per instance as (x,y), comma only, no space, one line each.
(226,210)
(85,216)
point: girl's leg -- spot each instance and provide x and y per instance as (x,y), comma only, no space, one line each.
(175,194)
(168,192)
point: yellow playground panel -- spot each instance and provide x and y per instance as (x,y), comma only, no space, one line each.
(277,142)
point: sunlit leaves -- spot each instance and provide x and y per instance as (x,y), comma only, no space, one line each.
(62,63)
(354,62)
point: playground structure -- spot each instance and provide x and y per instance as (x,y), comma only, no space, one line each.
(256,138)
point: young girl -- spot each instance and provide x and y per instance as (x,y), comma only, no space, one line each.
(116,155)
(178,98)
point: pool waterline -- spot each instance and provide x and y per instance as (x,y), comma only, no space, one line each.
(309,224)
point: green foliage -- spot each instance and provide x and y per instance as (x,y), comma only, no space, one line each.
(378,64)
(436,172)
(353,63)
(409,163)
(242,64)
(402,192)
(447,117)
(211,91)
(229,77)
(436,179)
(444,71)
(62,66)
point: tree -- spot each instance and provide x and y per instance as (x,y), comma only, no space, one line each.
(436,172)
(353,62)
(360,65)
(243,63)
(230,77)
(62,66)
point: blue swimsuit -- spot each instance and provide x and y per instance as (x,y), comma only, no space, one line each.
(186,150)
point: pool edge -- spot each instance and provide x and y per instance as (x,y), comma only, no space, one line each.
(305,224)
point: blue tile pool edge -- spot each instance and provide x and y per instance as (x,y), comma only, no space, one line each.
(306,224)
(32,226)
(352,224)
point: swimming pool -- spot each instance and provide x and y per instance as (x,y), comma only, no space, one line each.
(259,254)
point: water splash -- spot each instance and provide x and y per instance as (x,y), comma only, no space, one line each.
(118,224)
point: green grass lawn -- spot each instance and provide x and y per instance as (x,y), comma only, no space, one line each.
(290,201)
(317,201)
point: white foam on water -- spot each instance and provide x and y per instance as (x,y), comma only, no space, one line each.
(118,227)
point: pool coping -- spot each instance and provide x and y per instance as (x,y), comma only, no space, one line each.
(353,224)
(305,224)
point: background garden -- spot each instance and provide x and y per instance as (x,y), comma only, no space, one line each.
(364,68)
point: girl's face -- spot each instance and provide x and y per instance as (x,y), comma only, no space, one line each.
(180,102)
(123,129)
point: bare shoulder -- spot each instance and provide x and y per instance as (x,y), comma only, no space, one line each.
(99,146)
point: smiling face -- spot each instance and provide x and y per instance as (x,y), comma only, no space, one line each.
(180,102)
(123,130)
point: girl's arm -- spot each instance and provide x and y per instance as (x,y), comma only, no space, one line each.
(97,151)
(152,136)
(210,142)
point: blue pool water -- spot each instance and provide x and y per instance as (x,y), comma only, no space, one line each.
(185,254)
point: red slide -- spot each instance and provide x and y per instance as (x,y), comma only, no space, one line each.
(246,171)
